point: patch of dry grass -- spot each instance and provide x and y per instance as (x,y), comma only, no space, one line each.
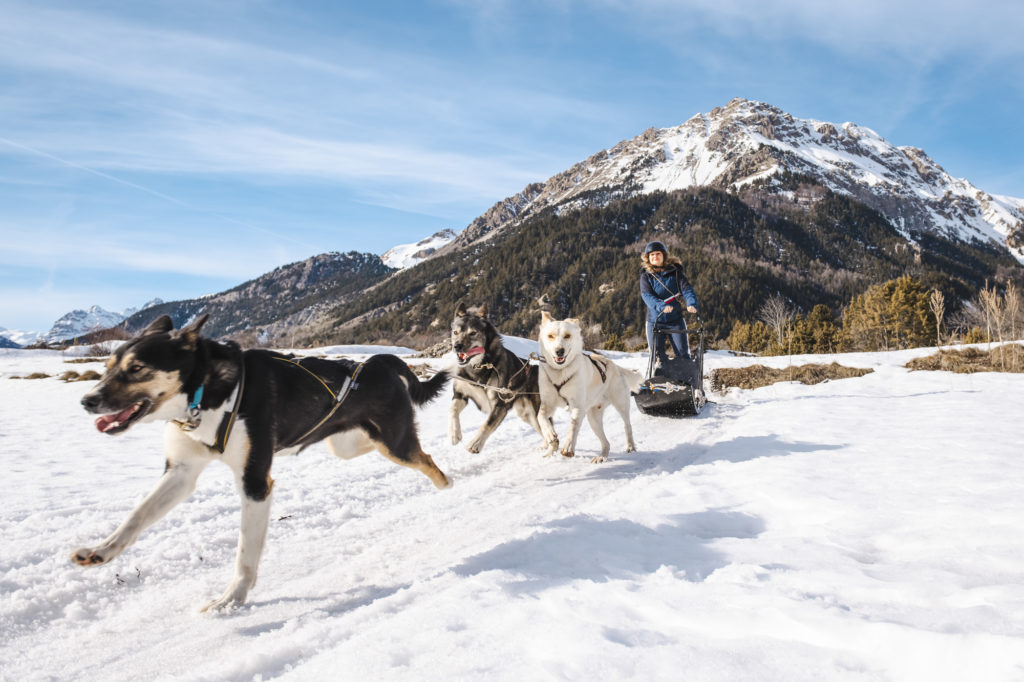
(1008,358)
(34,375)
(88,375)
(757,376)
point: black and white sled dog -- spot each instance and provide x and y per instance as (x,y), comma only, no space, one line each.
(490,375)
(583,381)
(243,407)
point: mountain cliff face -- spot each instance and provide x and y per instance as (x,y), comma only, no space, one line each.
(272,307)
(747,142)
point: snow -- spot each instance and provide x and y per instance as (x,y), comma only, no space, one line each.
(406,255)
(862,529)
(22,338)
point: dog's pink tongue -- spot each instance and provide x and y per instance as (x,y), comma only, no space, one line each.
(109,421)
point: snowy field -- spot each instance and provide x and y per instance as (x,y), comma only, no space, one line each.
(863,529)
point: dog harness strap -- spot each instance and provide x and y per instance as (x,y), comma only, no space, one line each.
(558,387)
(312,374)
(600,368)
(350,384)
(228,421)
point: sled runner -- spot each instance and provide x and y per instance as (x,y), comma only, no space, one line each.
(673,387)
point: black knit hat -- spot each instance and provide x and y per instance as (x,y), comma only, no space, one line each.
(655,246)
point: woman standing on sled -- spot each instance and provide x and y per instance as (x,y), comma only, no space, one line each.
(665,292)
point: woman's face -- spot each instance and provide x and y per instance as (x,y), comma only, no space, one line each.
(656,258)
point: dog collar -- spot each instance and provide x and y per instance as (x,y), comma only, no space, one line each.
(195,416)
(197,399)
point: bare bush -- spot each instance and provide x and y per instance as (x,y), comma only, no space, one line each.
(776,313)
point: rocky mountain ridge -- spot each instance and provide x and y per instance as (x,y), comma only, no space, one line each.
(747,142)
(273,306)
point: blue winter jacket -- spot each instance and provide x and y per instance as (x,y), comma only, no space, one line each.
(656,287)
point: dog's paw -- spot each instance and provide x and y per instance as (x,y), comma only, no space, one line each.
(568,453)
(475,446)
(232,599)
(220,605)
(91,557)
(455,438)
(598,459)
(630,447)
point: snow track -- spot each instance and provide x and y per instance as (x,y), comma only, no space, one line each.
(864,529)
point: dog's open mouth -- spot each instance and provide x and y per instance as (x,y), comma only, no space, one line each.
(468,355)
(560,359)
(120,421)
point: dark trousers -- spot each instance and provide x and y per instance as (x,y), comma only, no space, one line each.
(680,344)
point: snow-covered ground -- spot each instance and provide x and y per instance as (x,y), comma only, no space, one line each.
(863,529)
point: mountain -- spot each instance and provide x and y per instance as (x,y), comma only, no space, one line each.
(746,143)
(149,304)
(755,201)
(18,338)
(407,255)
(80,322)
(272,307)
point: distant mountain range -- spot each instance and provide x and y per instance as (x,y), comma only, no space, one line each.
(754,200)
(72,325)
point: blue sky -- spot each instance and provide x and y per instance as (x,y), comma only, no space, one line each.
(173,149)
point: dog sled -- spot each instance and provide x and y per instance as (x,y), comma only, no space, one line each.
(673,387)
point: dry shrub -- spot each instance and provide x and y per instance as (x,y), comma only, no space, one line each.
(1008,358)
(757,376)
(82,361)
(89,375)
(34,375)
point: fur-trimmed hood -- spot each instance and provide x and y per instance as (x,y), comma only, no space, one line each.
(670,262)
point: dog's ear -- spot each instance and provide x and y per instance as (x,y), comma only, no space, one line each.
(160,325)
(460,309)
(576,322)
(191,332)
(481,311)
(545,317)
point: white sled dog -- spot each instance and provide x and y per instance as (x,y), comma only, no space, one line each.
(582,381)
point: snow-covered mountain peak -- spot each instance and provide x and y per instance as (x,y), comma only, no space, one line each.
(407,255)
(747,142)
(80,322)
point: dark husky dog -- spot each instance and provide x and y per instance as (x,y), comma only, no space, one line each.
(490,375)
(243,407)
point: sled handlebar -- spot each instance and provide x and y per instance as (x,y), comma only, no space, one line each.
(659,329)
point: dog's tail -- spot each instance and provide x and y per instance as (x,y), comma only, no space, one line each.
(420,391)
(424,391)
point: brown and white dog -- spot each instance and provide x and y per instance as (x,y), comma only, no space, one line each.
(244,407)
(585,382)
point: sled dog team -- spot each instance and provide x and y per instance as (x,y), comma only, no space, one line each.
(243,407)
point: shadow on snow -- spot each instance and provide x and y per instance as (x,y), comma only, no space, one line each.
(587,548)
